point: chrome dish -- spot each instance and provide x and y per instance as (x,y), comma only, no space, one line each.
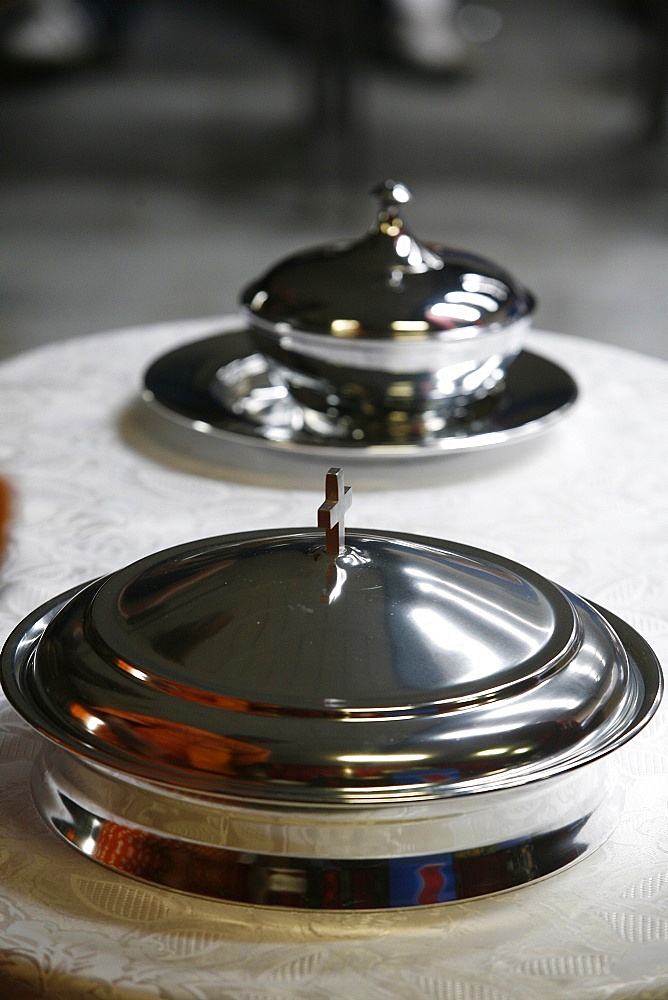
(330,718)
(387,326)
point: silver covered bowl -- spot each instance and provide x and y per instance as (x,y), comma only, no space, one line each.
(387,328)
(328,719)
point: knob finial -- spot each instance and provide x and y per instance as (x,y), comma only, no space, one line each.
(391,194)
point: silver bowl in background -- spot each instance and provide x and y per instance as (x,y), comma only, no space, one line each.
(387,328)
(325,719)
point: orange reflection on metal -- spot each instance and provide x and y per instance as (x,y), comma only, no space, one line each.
(180,744)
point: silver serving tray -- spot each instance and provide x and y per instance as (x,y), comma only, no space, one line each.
(218,393)
(330,719)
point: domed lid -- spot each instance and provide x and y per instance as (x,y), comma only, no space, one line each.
(386,286)
(356,667)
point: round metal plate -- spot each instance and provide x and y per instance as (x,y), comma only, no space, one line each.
(218,392)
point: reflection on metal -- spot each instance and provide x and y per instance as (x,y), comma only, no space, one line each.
(400,870)
(217,666)
(222,385)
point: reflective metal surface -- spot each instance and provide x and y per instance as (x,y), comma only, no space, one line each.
(213,395)
(387,322)
(328,861)
(389,288)
(257,666)
(342,711)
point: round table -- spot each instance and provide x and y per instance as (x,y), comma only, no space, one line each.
(585,504)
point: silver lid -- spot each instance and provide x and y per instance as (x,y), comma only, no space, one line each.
(387,286)
(352,668)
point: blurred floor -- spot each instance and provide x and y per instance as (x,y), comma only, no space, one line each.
(155,187)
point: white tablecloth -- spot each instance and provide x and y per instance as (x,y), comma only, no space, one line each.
(586,504)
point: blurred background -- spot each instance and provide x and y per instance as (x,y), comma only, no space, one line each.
(157,155)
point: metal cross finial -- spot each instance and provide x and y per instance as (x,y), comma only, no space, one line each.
(332,512)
